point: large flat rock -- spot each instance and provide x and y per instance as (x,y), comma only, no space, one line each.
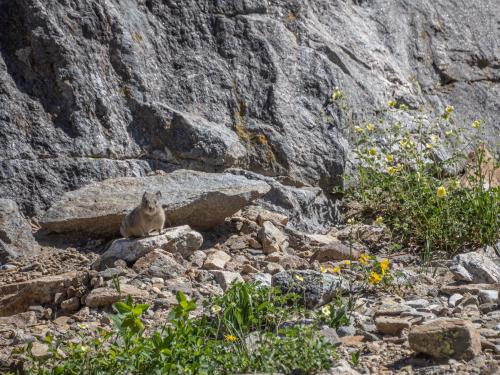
(200,200)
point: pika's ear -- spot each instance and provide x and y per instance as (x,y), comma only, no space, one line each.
(144,195)
(158,194)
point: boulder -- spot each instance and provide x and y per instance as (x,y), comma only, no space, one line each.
(201,200)
(106,296)
(16,298)
(16,239)
(314,287)
(216,260)
(159,263)
(182,240)
(475,267)
(446,338)
(272,238)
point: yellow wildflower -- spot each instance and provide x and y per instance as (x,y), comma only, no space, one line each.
(322,269)
(389,158)
(391,170)
(370,127)
(326,310)
(399,167)
(403,107)
(216,308)
(230,338)
(379,220)
(404,142)
(419,176)
(358,129)
(455,184)
(347,262)
(350,221)
(384,266)
(449,109)
(434,138)
(298,277)
(337,94)
(429,146)
(375,278)
(372,151)
(441,192)
(392,103)
(476,124)
(336,269)
(363,259)
(449,133)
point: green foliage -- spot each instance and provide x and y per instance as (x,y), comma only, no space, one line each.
(238,332)
(404,178)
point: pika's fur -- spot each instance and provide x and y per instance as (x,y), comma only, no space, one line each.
(146,217)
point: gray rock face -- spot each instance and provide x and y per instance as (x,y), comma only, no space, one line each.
(198,199)
(16,239)
(92,90)
(476,268)
(316,288)
(181,240)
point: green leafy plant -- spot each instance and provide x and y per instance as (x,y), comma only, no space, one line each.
(238,332)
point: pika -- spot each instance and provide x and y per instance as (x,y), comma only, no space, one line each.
(146,217)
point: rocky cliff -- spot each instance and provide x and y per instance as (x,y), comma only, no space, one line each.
(105,88)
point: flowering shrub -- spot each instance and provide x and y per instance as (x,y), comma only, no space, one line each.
(405,179)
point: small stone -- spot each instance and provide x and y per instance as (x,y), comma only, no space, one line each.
(346,331)
(39,350)
(488,307)
(391,325)
(330,335)
(198,258)
(353,341)
(273,268)
(247,269)
(446,338)
(226,278)
(182,284)
(418,303)
(111,272)
(265,279)
(70,305)
(216,260)
(454,299)
(107,296)
(333,252)
(272,238)
(469,300)
(254,244)
(159,263)
(157,280)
